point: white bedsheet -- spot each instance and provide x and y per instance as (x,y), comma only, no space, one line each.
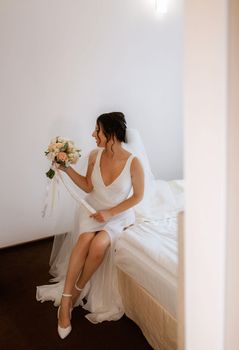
(148,253)
(148,250)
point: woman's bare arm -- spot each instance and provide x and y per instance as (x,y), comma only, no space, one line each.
(137,176)
(84,182)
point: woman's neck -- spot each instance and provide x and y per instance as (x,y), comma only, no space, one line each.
(113,150)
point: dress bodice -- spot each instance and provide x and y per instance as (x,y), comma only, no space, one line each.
(107,196)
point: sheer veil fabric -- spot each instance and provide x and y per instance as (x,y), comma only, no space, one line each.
(135,145)
(101,292)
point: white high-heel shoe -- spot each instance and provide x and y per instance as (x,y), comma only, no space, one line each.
(64,332)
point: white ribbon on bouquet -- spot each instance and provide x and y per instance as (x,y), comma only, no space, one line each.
(53,186)
(75,196)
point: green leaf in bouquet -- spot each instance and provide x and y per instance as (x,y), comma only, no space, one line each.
(61,162)
(64,148)
(50,173)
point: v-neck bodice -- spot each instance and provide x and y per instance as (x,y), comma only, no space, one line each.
(117,177)
(114,193)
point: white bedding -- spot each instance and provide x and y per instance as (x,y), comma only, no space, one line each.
(148,250)
(156,241)
(148,253)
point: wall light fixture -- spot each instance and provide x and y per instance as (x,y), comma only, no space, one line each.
(161,6)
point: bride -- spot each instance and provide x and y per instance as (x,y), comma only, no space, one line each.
(114,184)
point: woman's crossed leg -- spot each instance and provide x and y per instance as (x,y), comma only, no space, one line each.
(86,257)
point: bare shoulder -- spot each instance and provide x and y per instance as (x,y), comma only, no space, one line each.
(93,155)
(136,166)
(137,176)
(91,163)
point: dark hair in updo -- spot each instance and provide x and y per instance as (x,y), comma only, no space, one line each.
(113,124)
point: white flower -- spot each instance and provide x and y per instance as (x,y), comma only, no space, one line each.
(50,156)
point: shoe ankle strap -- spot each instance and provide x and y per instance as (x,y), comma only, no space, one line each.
(66,295)
(77,288)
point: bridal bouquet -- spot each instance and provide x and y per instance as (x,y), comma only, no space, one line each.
(63,152)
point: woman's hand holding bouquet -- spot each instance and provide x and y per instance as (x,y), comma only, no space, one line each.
(62,153)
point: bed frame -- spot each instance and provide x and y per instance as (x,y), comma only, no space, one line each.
(160,328)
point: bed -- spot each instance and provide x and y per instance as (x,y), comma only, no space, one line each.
(146,257)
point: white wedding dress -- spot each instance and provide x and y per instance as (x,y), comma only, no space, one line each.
(101,291)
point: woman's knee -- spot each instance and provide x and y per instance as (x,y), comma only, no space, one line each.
(98,247)
(84,240)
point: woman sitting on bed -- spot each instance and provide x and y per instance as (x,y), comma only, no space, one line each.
(111,176)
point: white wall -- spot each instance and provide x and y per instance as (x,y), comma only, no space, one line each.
(232,256)
(64,62)
(205,130)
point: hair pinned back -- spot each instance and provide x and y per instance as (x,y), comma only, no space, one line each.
(113,124)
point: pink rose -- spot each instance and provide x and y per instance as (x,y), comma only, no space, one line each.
(62,156)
